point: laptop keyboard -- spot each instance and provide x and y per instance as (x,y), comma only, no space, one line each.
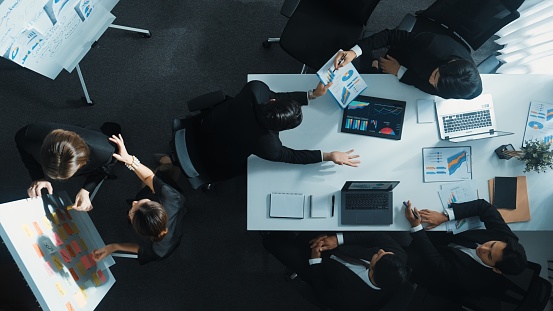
(366,201)
(467,121)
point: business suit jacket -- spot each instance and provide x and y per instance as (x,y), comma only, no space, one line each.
(231,132)
(29,142)
(341,289)
(446,270)
(420,53)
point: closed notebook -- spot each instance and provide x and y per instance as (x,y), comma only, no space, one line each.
(287,205)
(505,192)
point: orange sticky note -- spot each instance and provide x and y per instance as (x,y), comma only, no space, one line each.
(60,289)
(67,214)
(69,306)
(76,246)
(81,268)
(83,245)
(65,255)
(38,251)
(46,222)
(68,229)
(91,258)
(70,250)
(60,215)
(96,279)
(57,262)
(62,233)
(74,274)
(57,239)
(86,262)
(37,228)
(74,227)
(80,299)
(27,230)
(101,275)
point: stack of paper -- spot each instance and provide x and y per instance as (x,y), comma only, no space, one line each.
(286,205)
(459,193)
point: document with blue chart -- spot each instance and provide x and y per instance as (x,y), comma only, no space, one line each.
(539,125)
(372,116)
(346,81)
(447,164)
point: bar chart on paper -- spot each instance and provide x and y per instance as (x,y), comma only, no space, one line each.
(447,164)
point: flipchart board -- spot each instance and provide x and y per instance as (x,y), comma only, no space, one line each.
(52,247)
(47,36)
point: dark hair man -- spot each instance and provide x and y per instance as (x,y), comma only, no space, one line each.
(433,63)
(348,271)
(249,124)
(468,262)
(61,151)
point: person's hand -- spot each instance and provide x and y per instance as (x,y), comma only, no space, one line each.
(389,65)
(103,252)
(410,217)
(342,158)
(37,185)
(432,218)
(321,89)
(316,250)
(328,242)
(123,155)
(82,201)
(349,56)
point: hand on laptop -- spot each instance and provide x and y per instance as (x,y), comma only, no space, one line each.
(342,158)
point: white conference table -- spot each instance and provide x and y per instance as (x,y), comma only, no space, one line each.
(384,159)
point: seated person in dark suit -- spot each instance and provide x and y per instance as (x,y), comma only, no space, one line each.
(156,214)
(433,63)
(249,124)
(348,271)
(61,151)
(470,262)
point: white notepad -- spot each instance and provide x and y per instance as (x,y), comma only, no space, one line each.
(287,205)
(321,206)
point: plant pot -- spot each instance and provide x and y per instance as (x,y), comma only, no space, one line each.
(500,151)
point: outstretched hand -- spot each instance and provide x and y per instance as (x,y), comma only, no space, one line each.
(123,155)
(342,158)
(321,89)
(99,254)
(348,56)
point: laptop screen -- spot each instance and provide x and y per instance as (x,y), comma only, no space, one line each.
(370,185)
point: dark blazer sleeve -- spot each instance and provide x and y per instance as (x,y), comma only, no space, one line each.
(400,39)
(24,144)
(488,215)
(270,148)
(375,239)
(422,244)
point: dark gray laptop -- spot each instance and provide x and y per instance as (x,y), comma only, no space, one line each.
(367,202)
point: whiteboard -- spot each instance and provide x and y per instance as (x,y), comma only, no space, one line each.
(47,36)
(52,247)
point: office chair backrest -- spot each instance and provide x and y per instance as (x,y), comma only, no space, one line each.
(358,10)
(475,21)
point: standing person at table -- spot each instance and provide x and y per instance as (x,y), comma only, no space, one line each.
(433,63)
(348,271)
(156,214)
(249,124)
(468,262)
(61,151)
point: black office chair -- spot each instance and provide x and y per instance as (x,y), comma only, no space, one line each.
(470,22)
(186,143)
(317,29)
(524,292)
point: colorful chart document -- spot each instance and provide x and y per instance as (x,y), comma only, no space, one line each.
(447,164)
(346,81)
(458,193)
(539,125)
(52,247)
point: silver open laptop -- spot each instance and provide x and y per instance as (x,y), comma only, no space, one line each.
(461,120)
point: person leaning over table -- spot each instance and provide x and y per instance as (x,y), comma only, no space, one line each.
(250,124)
(156,215)
(433,63)
(470,262)
(61,151)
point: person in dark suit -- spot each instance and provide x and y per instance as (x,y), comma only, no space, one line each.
(61,151)
(348,271)
(433,63)
(470,262)
(249,124)
(157,213)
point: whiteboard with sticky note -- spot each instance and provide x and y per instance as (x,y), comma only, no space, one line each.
(52,247)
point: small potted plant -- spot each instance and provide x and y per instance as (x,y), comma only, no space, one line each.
(536,155)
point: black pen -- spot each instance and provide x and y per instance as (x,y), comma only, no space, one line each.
(341,61)
(332,205)
(412,211)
